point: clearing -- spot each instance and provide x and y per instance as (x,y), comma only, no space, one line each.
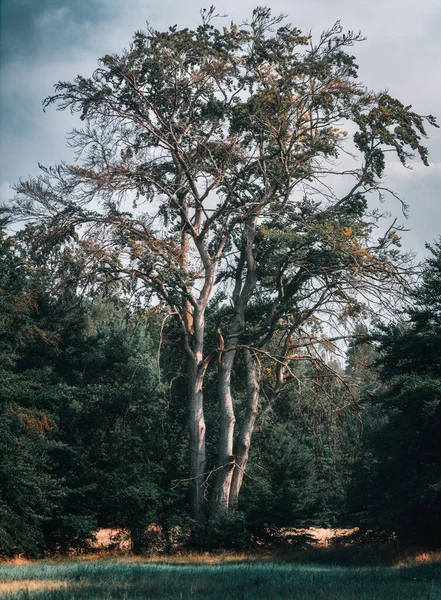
(247,580)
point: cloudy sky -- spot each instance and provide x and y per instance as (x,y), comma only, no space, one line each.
(43,41)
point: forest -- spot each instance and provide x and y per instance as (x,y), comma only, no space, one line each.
(210,334)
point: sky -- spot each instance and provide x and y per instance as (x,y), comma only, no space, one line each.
(43,41)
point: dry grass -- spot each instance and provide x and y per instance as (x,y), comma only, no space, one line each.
(419,558)
(115,539)
(31,585)
(320,536)
(179,558)
(118,539)
(317,555)
(207,558)
(112,544)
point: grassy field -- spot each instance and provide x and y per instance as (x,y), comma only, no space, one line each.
(53,580)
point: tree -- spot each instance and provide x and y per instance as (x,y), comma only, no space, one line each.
(398,478)
(302,457)
(203,183)
(118,431)
(28,492)
(87,430)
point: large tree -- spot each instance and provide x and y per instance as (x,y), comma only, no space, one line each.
(229,170)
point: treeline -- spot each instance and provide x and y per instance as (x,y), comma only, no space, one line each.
(93,421)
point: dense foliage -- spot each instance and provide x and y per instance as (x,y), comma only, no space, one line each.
(88,433)
(93,425)
(398,478)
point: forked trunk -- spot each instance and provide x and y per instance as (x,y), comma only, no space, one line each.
(242,293)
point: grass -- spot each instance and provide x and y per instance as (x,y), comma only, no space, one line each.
(246,580)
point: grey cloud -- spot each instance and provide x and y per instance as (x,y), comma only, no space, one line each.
(47,40)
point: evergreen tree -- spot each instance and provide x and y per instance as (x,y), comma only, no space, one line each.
(27,490)
(399,474)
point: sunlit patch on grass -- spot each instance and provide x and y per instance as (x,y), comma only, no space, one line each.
(207,558)
(420,558)
(180,558)
(31,585)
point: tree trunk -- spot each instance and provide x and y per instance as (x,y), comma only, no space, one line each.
(197,441)
(246,431)
(221,492)
(196,421)
(241,295)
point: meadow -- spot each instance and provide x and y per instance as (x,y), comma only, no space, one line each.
(249,580)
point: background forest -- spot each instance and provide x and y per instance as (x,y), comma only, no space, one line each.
(93,427)
(209,331)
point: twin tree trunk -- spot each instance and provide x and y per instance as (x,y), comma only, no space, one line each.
(232,459)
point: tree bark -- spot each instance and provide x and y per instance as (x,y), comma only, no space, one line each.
(195,326)
(196,420)
(196,423)
(241,295)
(250,422)
(221,492)
(193,322)
(246,431)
